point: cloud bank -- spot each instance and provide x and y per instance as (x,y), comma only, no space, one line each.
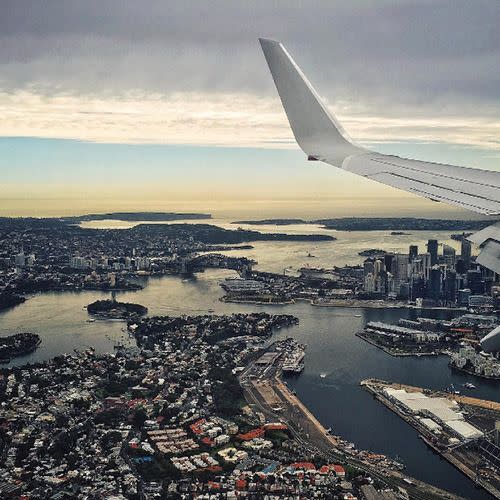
(192,72)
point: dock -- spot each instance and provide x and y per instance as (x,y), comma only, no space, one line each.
(468,461)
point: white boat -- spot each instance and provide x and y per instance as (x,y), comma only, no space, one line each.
(468,385)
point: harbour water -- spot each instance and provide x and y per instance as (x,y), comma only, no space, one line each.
(333,349)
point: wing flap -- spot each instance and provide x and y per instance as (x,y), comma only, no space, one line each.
(467,190)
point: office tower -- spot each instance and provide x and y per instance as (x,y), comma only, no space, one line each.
(413,252)
(448,250)
(426,264)
(466,251)
(432,248)
(434,291)
(400,267)
(450,285)
(388,260)
(379,267)
(449,255)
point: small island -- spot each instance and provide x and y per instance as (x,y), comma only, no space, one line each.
(371,252)
(111,309)
(18,344)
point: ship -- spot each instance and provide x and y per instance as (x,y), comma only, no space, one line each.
(294,362)
(469,385)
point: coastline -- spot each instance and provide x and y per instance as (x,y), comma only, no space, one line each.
(470,372)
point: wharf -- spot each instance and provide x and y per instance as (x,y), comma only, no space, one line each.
(452,454)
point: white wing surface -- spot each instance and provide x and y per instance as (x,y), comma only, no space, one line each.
(322,138)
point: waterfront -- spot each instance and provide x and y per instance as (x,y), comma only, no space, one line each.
(333,350)
(275,256)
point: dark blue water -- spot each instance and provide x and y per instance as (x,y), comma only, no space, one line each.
(337,400)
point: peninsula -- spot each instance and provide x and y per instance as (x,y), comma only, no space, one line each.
(18,344)
(207,233)
(380,223)
(136,216)
(8,300)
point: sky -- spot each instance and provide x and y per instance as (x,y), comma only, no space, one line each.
(119,104)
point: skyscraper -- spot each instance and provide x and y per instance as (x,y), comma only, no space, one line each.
(432,248)
(449,255)
(435,283)
(466,251)
(413,252)
(450,285)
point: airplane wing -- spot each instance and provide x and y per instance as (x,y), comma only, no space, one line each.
(322,138)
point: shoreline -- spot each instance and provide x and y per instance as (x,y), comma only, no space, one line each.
(469,372)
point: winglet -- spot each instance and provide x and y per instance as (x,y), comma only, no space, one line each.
(315,129)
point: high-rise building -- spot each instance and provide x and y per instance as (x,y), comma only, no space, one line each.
(426,264)
(400,267)
(388,260)
(465,252)
(413,252)
(379,266)
(449,256)
(434,290)
(432,248)
(368,267)
(450,285)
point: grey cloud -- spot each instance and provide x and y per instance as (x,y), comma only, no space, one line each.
(420,54)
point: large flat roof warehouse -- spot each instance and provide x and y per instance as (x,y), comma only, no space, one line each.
(464,429)
(439,409)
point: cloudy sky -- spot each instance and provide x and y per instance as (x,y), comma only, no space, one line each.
(173,100)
